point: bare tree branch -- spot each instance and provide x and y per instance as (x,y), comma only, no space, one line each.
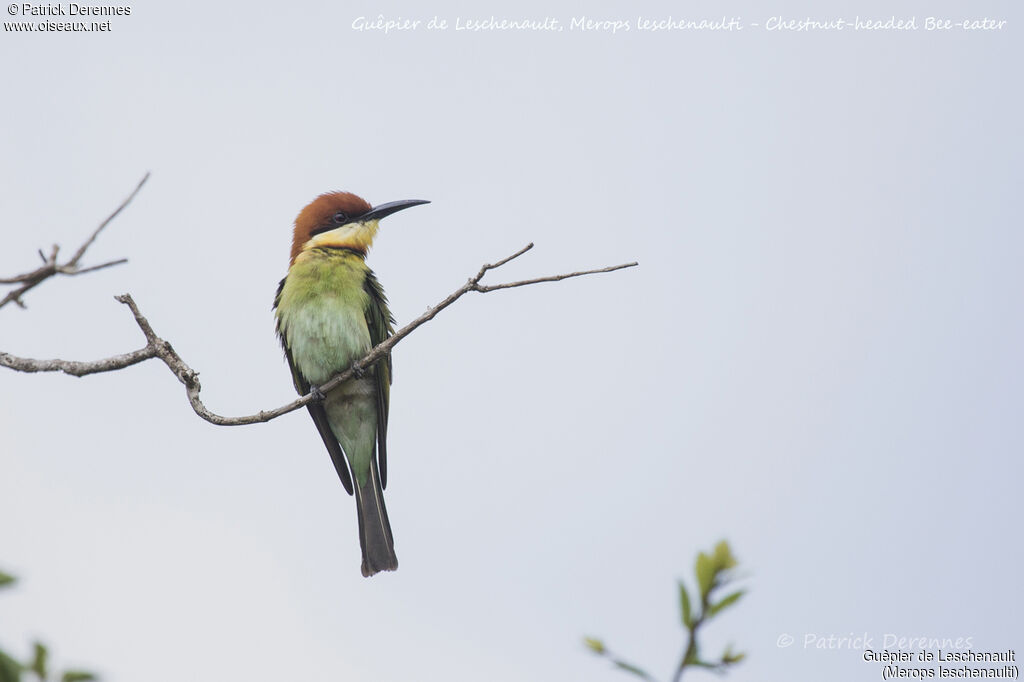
(157,347)
(51,267)
(78,368)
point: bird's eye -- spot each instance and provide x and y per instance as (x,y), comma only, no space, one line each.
(340,218)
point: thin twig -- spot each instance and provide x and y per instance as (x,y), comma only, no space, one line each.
(91,268)
(157,347)
(690,652)
(51,267)
(88,242)
(484,288)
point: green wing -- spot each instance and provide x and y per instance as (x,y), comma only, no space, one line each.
(316,410)
(379,321)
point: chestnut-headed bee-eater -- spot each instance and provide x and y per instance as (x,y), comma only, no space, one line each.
(331,311)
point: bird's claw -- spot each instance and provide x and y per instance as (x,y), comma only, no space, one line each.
(318,395)
(357,371)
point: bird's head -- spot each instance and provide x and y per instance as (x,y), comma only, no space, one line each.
(341,219)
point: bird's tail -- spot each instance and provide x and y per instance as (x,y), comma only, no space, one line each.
(374,530)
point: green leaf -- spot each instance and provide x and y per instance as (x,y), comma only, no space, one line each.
(723,557)
(38,665)
(628,667)
(726,601)
(705,574)
(10,669)
(730,657)
(6,579)
(594,644)
(77,676)
(684,604)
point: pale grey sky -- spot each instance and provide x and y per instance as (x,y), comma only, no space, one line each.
(818,358)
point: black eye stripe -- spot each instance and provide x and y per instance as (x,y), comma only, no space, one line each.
(333,221)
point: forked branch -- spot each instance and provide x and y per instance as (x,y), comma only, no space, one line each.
(51,267)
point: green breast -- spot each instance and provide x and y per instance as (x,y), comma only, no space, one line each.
(322,312)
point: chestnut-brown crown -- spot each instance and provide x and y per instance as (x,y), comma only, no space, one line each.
(320,214)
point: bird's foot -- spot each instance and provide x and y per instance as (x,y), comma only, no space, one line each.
(318,395)
(358,371)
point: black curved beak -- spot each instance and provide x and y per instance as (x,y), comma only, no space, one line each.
(384,210)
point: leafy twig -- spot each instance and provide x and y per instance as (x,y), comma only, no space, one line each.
(713,573)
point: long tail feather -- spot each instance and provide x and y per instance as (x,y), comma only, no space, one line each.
(375,537)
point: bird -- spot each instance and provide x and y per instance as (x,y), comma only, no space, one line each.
(330,310)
